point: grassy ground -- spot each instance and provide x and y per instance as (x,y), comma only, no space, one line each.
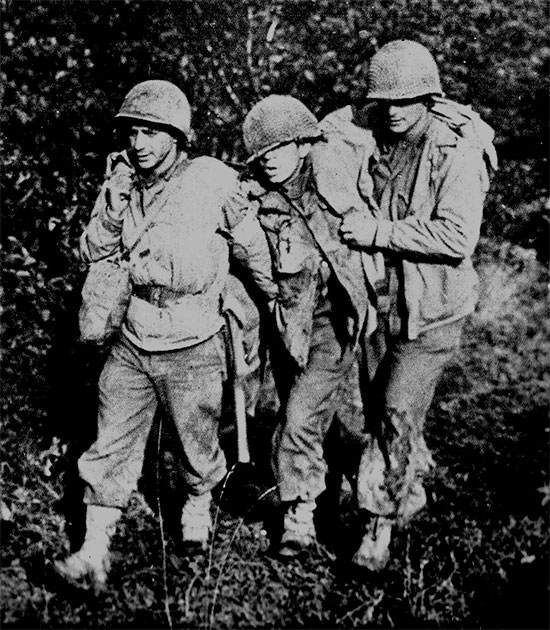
(477,558)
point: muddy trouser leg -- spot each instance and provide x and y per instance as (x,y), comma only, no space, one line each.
(344,447)
(112,466)
(396,456)
(189,384)
(345,439)
(298,460)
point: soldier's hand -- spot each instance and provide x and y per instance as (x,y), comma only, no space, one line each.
(358,230)
(117,192)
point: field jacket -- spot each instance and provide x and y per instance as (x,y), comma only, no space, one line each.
(430,226)
(303,231)
(201,217)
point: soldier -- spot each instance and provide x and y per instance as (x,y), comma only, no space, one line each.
(170,351)
(430,181)
(303,183)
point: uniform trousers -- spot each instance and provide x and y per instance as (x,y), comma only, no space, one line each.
(187,383)
(311,403)
(396,456)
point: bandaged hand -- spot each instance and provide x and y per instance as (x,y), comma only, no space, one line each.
(358,230)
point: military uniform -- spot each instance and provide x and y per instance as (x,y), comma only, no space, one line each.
(171,350)
(319,323)
(430,190)
(430,178)
(324,309)
(190,216)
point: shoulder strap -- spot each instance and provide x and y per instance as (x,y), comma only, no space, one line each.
(126,251)
(148,222)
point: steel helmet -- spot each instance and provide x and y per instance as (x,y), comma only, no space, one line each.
(159,102)
(276,120)
(402,69)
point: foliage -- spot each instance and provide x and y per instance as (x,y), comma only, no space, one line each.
(483,546)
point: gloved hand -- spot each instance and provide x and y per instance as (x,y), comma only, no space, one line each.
(358,229)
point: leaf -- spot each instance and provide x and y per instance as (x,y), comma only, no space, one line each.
(528,559)
(5,512)
(23,117)
(545,491)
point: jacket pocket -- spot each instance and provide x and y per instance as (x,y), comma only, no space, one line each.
(447,291)
(295,264)
(292,256)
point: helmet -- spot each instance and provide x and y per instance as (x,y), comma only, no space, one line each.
(159,102)
(276,120)
(402,69)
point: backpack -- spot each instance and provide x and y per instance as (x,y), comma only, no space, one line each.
(468,125)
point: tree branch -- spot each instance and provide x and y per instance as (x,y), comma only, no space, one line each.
(249,60)
(220,72)
(225,81)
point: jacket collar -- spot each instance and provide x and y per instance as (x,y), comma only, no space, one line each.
(297,186)
(272,198)
(146,181)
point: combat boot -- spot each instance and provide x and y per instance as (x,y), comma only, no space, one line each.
(196,522)
(373,553)
(298,529)
(92,562)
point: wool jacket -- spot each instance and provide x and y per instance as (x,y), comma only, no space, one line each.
(430,198)
(200,217)
(302,225)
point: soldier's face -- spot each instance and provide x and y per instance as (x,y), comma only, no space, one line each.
(402,116)
(283,162)
(150,147)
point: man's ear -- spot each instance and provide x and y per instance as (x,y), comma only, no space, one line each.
(303,149)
